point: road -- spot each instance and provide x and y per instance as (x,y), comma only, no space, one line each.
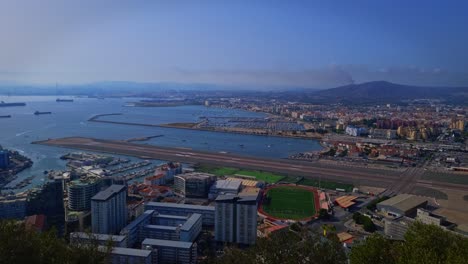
(357,176)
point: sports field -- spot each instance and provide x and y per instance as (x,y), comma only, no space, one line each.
(226,171)
(261,175)
(288,202)
(326,184)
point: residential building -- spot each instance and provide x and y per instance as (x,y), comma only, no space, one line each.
(221,187)
(193,185)
(207,212)
(109,210)
(355,131)
(48,200)
(79,238)
(133,231)
(171,252)
(160,226)
(236,219)
(13,206)
(81,191)
(122,255)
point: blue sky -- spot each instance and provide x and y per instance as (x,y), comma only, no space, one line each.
(314,44)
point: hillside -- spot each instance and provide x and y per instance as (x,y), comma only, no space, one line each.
(387,91)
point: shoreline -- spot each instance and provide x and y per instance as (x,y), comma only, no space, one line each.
(184,126)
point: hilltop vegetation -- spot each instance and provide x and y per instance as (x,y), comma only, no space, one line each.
(19,244)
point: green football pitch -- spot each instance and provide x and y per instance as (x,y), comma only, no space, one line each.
(289,202)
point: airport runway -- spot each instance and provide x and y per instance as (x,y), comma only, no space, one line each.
(359,176)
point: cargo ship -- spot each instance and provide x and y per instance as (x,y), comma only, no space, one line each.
(5,116)
(64,100)
(3,104)
(42,113)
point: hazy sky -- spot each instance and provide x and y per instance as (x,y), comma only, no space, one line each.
(286,43)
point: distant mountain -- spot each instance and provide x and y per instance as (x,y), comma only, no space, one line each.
(387,91)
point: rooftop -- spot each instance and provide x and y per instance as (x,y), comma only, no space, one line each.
(179,206)
(138,220)
(128,251)
(162,227)
(346,201)
(228,184)
(108,193)
(100,237)
(196,175)
(404,202)
(190,222)
(166,243)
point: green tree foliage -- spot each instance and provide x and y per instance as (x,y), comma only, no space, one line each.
(431,244)
(365,221)
(288,248)
(21,245)
(323,214)
(428,244)
(375,249)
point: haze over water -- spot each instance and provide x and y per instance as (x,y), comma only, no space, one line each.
(70,119)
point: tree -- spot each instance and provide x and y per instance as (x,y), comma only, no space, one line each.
(432,244)
(423,244)
(367,223)
(374,249)
(288,248)
(21,245)
(323,214)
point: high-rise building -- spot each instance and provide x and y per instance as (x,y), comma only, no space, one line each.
(4,159)
(236,218)
(109,210)
(81,191)
(48,200)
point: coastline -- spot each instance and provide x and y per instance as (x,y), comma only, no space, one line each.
(189,126)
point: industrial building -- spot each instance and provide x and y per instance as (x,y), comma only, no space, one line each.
(166,251)
(193,185)
(207,212)
(236,218)
(402,205)
(109,210)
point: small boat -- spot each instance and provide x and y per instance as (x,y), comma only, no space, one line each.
(42,113)
(5,116)
(64,100)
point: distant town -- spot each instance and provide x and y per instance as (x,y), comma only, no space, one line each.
(381,167)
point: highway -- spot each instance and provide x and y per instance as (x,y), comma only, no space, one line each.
(359,176)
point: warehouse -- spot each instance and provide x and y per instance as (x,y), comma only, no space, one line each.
(402,205)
